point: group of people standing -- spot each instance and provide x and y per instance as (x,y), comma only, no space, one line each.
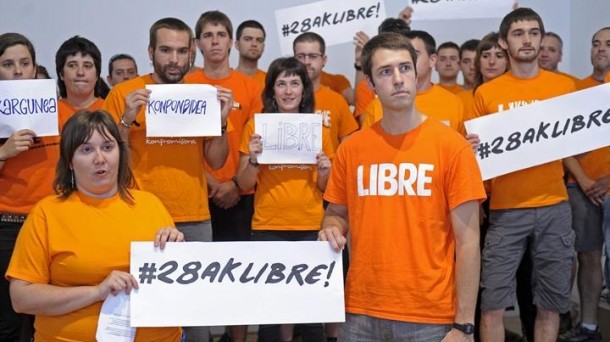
(405,189)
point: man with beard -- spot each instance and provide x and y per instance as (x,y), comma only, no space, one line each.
(600,58)
(250,42)
(171,169)
(231,209)
(530,205)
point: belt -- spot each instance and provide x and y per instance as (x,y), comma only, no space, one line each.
(12,217)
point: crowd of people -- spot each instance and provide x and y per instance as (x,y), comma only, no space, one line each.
(430,251)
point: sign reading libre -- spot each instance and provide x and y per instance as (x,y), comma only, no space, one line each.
(28,104)
(182,110)
(289,138)
(542,131)
(190,283)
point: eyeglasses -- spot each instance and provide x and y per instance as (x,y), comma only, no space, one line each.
(312,56)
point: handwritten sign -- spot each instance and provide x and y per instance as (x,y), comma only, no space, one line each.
(28,104)
(335,20)
(289,138)
(451,9)
(543,131)
(199,283)
(182,110)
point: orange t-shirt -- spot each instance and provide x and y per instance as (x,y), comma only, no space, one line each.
(435,102)
(247,101)
(170,168)
(338,83)
(467,98)
(607,79)
(364,96)
(588,82)
(454,89)
(259,77)
(536,186)
(78,242)
(28,177)
(336,114)
(573,78)
(287,195)
(399,191)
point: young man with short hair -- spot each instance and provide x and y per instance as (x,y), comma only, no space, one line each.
(468,52)
(448,66)
(407,191)
(250,42)
(530,205)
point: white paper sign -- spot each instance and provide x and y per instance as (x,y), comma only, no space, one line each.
(202,283)
(294,138)
(335,20)
(182,110)
(113,323)
(28,104)
(543,131)
(459,9)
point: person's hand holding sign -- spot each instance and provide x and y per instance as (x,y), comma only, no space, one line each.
(225,96)
(18,142)
(133,103)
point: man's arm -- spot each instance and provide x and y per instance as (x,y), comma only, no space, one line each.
(334,226)
(465,222)
(18,142)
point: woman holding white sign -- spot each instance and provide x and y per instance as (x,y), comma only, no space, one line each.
(288,197)
(73,250)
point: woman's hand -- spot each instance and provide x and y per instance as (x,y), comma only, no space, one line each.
(256,147)
(167,234)
(114,283)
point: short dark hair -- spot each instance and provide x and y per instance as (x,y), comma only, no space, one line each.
(72,47)
(469,45)
(394,25)
(215,18)
(519,14)
(310,37)
(448,45)
(11,39)
(249,24)
(387,40)
(592,38)
(290,66)
(119,57)
(556,36)
(78,130)
(169,23)
(427,38)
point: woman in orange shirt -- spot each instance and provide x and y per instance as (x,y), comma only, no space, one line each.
(73,249)
(288,197)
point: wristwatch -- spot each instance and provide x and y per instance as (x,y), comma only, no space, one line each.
(466,328)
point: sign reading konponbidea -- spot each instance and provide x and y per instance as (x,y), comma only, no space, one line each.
(294,138)
(202,283)
(182,110)
(459,9)
(28,104)
(543,131)
(335,20)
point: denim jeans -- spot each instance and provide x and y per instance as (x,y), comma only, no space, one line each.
(362,328)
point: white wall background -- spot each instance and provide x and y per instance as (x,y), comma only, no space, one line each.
(121,26)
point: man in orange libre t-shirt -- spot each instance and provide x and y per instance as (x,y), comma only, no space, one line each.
(407,190)
(527,206)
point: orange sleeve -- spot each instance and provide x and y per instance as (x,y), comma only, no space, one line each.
(364,96)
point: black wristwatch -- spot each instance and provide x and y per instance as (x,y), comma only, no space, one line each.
(466,328)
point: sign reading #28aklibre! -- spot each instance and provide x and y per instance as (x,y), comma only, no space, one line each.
(190,283)
(543,131)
